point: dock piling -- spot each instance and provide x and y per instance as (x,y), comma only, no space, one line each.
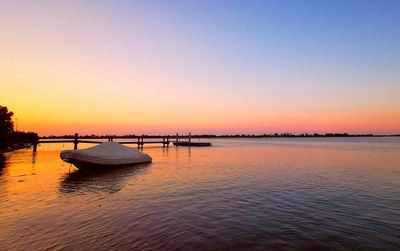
(76,141)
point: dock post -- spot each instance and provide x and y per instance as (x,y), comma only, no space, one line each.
(76,141)
(177,138)
(167,141)
(190,140)
(35,146)
(138,142)
(163,141)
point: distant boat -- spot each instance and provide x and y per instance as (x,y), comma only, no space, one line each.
(107,154)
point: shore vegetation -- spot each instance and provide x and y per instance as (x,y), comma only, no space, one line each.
(9,138)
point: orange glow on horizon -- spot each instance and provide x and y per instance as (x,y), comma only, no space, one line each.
(294,123)
(134,74)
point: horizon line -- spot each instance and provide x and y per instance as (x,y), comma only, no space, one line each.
(286,134)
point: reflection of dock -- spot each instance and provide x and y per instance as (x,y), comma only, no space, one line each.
(105,180)
(139,141)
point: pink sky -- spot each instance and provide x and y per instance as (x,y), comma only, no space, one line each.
(116,68)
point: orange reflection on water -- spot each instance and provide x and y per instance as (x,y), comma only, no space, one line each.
(30,175)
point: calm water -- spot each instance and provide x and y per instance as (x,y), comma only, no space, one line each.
(240,194)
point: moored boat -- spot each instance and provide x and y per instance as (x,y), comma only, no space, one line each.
(107,154)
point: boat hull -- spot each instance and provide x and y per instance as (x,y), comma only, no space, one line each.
(91,166)
(106,155)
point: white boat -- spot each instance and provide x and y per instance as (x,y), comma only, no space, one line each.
(107,154)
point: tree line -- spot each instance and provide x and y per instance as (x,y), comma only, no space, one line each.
(264,135)
(10,139)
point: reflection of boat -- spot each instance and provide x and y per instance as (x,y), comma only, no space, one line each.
(105,180)
(107,154)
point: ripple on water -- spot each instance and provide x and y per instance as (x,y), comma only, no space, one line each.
(248,195)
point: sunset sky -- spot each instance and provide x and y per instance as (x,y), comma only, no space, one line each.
(118,67)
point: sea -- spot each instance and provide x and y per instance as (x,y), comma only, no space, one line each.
(239,194)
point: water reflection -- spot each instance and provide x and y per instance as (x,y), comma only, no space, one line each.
(2,163)
(34,157)
(252,195)
(2,160)
(103,180)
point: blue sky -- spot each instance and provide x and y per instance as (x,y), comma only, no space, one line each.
(279,65)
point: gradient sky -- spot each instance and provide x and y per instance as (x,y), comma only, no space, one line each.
(201,66)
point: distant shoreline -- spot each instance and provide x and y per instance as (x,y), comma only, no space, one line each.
(275,135)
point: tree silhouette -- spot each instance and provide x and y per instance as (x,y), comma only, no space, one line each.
(6,126)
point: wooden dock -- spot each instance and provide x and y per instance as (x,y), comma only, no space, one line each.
(187,143)
(139,141)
